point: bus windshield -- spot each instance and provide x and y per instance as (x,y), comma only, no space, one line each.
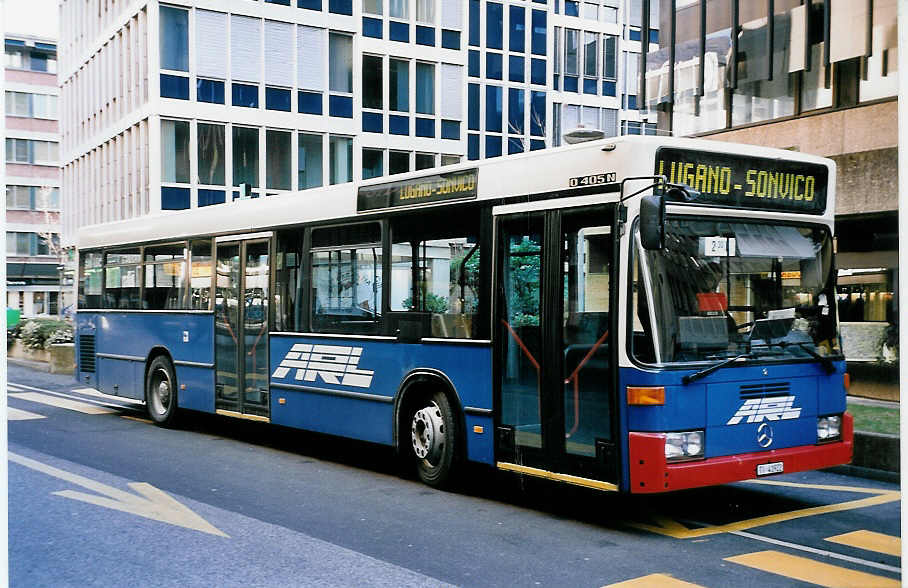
(722,288)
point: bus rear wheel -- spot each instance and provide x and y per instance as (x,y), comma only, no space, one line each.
(161,392)
(433,439)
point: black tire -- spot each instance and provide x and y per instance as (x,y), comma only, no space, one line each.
(432,439)
(161,392)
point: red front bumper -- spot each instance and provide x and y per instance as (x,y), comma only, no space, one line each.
(650,473)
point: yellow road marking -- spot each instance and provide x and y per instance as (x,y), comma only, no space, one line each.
(11,388)
(653,581)
(808,570)
(93,392)
(63,403)
(672,528)
(139,419)
(870,541)
(14,414)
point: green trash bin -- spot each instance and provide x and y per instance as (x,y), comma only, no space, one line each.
(13,316)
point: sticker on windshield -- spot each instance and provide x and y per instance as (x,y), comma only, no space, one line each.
(717,246)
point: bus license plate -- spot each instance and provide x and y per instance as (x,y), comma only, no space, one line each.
(764,469)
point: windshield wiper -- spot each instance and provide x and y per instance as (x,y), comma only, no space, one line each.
(717,366)
(825,361)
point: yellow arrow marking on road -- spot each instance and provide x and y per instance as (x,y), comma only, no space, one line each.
(672,528)
(151,503)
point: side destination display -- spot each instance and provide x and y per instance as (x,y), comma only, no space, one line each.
(457,185)
(757,183)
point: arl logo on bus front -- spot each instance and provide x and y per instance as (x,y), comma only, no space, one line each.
(332,364)
(756,183)
(757,410)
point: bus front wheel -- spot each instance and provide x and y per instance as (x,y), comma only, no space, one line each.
(433,438)
(161,392)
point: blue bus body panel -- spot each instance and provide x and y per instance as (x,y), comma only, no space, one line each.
(347,386)
(132,335)
(731,403)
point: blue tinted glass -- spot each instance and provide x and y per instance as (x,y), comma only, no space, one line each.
(493,66)
(310,103)
(245,95)
(571,8)
(515,111)
(537,71)
(515,145)
(515,68)
(632,102)
(340,6)
(277,99)
(209,91)
(450,129)
(539,32)
(209,197)
(425,36)
(474,23)
(609,88)
(174,198)
(372,27)
(281,2)
(516,29)
(340,106)
(654,35)
(398,125)
(472,147)
(493,108)
(473,63)
(494,25)
(450,39)
(473,107)
(425,127)
(310,4)
(173,37)
(634,35)
(570,83)
(536,144)
(174,87)
(399,31)
(590,85)
(372,122)
(493,146)
(537,114)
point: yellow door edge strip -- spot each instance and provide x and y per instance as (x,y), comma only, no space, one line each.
(554,476)
(678,531)
(239,415)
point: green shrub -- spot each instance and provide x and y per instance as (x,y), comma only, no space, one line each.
(41,333)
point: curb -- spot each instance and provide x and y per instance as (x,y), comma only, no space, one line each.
(38,366)
(876,456)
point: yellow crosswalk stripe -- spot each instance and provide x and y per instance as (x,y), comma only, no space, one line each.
(654,581)
(808,570)
(14,414)
(870,541)
(62,403)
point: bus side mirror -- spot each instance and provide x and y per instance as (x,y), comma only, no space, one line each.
(652,221)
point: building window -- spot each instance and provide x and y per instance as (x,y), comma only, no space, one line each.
(398,9)
(175,151)
(278,160)
(399,85)
(516,28)
(493,109)
(174,38)
(341,154)
(494,25)
(425,88)
(309,170)
(398,162)
(210,91)
(425,11)
(539,33)
(372,81)
(211,154)
(571,52)
(373,163)
(425,160)
(516,111)
(245,95)
(340,71)
(245,156)
(372,7)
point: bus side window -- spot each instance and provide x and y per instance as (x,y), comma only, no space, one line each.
(200,275)
(90,276)
(165,277)
(286,278)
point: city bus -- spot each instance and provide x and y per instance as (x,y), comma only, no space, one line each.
(639,314)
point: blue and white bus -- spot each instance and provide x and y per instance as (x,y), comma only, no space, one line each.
(641,314)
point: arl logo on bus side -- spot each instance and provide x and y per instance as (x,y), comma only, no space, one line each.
(757,410)
(333,364)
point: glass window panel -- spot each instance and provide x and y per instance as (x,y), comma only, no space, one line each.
(373,163)
(310,161)
(372,7)
(347,290)
(341,152)
(516,110)
(211,154)
(175,151)
(571,51)
(278,160)
(493,109)
(557,65)
(398,162)
(399,85)
(882,64)
(425,160)
(245,156)
(591,54)
(174,38)
(340,72)
(398,8)
(425,88)
(494,25)
(516,28)
(200,275)
(425,11)
(372,81)
(450,159)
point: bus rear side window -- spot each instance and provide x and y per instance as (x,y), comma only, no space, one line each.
(122,279)
(90,280)
(200,276)
(165,277)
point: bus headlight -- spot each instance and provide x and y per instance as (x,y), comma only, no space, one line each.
(684,445)
(829,428)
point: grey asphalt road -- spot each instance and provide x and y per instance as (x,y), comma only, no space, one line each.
(296,509)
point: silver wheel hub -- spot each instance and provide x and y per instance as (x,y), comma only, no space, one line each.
(427,433)
(161,394)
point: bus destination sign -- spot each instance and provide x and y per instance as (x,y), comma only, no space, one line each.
(757,183)
(439,187)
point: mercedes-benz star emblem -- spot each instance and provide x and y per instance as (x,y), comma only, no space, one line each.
(764,435)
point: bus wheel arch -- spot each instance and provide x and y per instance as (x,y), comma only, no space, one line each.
(161,389)
(428,427)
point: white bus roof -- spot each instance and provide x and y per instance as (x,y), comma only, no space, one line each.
(538,172)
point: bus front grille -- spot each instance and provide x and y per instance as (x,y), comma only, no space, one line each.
(764,390)
(87,353)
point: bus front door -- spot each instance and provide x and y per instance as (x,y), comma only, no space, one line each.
(241,328)
(555,382)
